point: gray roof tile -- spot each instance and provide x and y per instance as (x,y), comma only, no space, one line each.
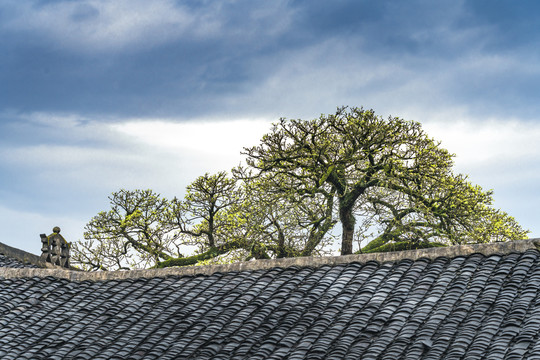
(6,261)
(470,306)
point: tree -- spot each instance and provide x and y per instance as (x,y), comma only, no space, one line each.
(205,200)
(384,180)
(220,217)
(389,170)
(283,223)
(144,230)
(241,219)
(134,233)
(206,218)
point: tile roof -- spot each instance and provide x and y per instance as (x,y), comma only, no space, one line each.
(14,258)
(6,261)
(474,302)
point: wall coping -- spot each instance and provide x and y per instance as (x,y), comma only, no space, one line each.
(500,248)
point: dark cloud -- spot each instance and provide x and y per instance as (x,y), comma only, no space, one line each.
(511,24)
(231,50)
(85,12)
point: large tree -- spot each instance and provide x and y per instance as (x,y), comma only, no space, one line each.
(384,180)
(386,169)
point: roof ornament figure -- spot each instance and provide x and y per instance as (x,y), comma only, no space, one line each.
(55,249)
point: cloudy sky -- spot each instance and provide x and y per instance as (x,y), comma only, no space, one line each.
(100,95)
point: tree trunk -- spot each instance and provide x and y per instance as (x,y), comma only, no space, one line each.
(347,222)
(211,241)
(281,242)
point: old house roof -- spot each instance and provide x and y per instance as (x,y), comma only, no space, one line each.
(477,302)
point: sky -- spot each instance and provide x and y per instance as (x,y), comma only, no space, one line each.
(98,96)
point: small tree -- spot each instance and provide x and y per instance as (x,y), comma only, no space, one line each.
(144,230)
(198,215)
(134,233)
(206,218)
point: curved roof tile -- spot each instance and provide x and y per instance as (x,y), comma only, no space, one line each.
(478,304)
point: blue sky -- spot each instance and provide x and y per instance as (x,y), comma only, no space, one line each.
(97,95)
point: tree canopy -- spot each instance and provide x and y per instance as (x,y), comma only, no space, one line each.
(386,172)
(386,181)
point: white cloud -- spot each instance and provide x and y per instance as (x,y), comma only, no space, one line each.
(103,157)
(76,163)
(21,229)
(95,25)
(203,138)
(487,142)
(182,151)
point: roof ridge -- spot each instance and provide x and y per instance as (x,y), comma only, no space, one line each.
(24,257)
(501,248)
